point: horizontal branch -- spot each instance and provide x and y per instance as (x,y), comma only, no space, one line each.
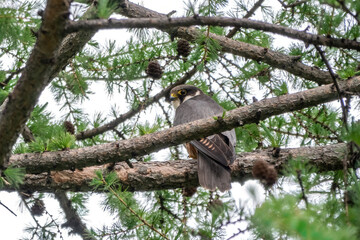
(96,24)
(148,176)
(273,58)
(143,145)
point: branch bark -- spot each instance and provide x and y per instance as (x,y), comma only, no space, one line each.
(150,176)
(140,146)
(34,77)
(164,23)
(73,219)
(273,58)
(69,46)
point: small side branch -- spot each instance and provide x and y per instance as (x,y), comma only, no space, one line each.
(303,195)
(8,208)
(73,219)
(123,117)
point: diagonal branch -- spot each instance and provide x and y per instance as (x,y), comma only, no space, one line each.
(333,77)
(111,125)
(34,77)
(143,145)
(160,175)
(164,23)
(73,219)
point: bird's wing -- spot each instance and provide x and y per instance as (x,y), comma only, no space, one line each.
(220,147)
(216,148)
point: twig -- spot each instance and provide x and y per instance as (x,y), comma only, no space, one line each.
(247,15)
(7,208)
(347,10)
(303,196)
(73,219)
(111,125)
(345,160)
(7,80)
(293,4)
(332,74)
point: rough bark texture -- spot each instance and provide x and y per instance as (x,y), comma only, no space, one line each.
(180,173)
(40,70)
(96,24)
(139,146)
(275,59)
(261,54)
(34,77)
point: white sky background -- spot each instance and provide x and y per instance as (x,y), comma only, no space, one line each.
(12,227)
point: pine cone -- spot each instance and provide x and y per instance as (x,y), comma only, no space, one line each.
(265,172)
(183,48)
(38,208)
(260,169)
(154,70)
(271,176)
(189,191)
(69,127)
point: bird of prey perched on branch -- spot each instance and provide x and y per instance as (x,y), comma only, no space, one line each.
(214,153)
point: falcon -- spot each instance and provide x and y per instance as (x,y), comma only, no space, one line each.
(214,153)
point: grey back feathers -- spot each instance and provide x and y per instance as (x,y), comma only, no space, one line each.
(216,152)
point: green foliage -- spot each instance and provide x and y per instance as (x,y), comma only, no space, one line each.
(62,141)
(105,8)
(3,96)
(12,176)
(147,128)
(284,218)
(273,141)
(353,133)
(286,215)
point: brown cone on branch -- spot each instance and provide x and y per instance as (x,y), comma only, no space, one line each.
(189,191)
(265,172)
(183,48)
(38,208)
(69,127)
(271,176)
(154,70)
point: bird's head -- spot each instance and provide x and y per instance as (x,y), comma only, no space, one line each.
(182,93)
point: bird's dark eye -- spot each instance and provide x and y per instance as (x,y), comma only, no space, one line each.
(182,92)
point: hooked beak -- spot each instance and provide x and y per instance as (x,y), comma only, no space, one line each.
(172,97)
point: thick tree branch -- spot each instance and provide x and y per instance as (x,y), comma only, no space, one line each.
(34,77)
(70,45)
(275,59)
(164,23)
(140,146)
(132,112)
(156,175)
